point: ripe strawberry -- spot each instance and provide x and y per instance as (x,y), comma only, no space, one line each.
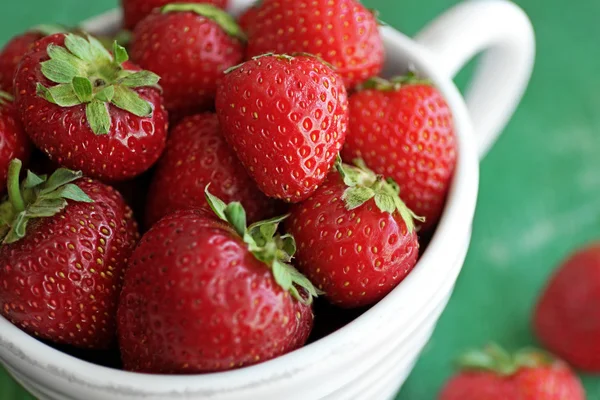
(567,316)
(14,142)
(15,49)
(89,110)
(341,32)
(136,10)
(403,129)
(189,46)
(356,239)
(64,250)
(286,119)
(528,375)
(197,155)
(205,295)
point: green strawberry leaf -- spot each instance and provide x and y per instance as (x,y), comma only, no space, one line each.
(128,100)
(63,95)
(120,53)
(222,18)
(140,79)
(106,95)
(236,216)
(79,47)
(267,246)
(83,89)
(36,197)
(98,117)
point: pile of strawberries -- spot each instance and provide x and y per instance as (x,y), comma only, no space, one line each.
(266,160)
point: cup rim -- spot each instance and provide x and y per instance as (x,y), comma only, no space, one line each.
(455,222)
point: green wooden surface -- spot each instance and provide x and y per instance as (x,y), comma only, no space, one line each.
(540,184)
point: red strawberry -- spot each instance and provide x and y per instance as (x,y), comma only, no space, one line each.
(286,119)
(528,375)
(196,156)
(205,295)
(567,316)
(341,32)
(14,142)
(16,48)
(246,20)
(136,10)
(89,110)
(65,247)
(356,239)
(189,46)
(404,130)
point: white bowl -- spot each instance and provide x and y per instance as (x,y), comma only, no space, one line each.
(371,357)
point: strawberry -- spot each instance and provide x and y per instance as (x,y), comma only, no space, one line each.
(528,375)
(64,249)
(196,156)
(14,142)
(203,294)
(341,32)
(136,10)
(403,129)
(89,110)
(15,49)
(356,239)
(189,46)
(286,119)
(567,316)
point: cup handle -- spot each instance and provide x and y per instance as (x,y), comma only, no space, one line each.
(504,33)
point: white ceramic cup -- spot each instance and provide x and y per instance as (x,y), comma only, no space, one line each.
(370,358)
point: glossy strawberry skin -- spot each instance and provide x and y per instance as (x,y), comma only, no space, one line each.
(195,300)
(286,119)
(62,281)
(567,316)
(555,382)
(14,142)
(197,155)
(189,52)
(341,32)
(356,257)
(406,135)
(11,55)
(131,147)
(136,10)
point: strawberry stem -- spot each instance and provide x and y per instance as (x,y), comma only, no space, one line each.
(14,188)
(494,358)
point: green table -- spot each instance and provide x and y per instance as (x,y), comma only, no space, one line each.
(540,185)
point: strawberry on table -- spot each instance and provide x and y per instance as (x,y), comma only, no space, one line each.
(206,294)
(136,10)
(356,239)
(189,46)
(14,142)
(197,155)
(403,129)
(341,32)
(90,110)
(65,244)
(286,118)
(493,374)
(15,49)
(567,316)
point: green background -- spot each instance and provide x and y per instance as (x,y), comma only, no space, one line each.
(540,184)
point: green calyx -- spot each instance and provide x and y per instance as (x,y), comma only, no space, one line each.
(6,98)
(393,84)
(364,185)
(223,19)
(87,73)
(495,359)
(274,250)
(36,197)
